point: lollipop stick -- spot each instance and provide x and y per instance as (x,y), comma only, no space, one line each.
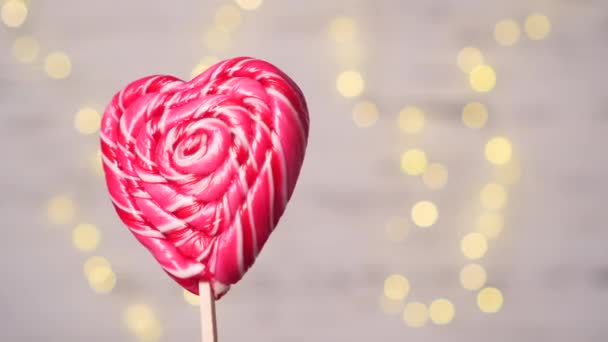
(208,329)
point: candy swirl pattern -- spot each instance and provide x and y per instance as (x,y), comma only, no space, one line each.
(201,171)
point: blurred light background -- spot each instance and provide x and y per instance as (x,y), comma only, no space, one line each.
(453,188)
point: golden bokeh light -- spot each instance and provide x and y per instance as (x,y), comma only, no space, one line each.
(13,13)
(396,229)
(60,209)
(413,162)
(249,5)
(217,40)
(469,58)
(96,163)
(493,196)
(490,300)
(389,306)
(441,311)
(365,114)
(25,49)
(396,287)
(100,275)
(93,263)
(87,121)
(86,237)
(508,173)
(142,322)
(415,314)
(474,246)
(473,277)
(411,120)
(350,83)
(435,176)
(507,32)
(191,298)
(424,214)
(203,65)
(57,65)
(343,29)
(482,78)
(228,18)
(537,26)
(474,115)
(490,224)
(498,150)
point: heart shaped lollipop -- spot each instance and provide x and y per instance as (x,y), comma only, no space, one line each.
(201,171)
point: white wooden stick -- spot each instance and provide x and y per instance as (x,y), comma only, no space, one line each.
(207,304)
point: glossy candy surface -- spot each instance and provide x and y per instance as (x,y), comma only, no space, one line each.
(201,171)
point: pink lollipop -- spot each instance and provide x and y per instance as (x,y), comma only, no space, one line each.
(201,171)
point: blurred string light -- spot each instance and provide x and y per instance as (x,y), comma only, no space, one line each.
(507,32)
(343,29)
(365,114)
(249,5)
(203,64)
(482,78)
(228,18)
(350,83)
(424,214)
(435,176)
(493,196)
(57,65)
(396,229)
(441,311)
(490,224)
(469,58)
(389,306)
(13,13)
(474,246)
(100,275)
(86,237)
(413,162)
(508,173)
(537,26)
(415,314)
(26,49)
(396,287)
(490,300)
(87,121)
(411,119)
(143,323)
(473,277)
(60,209)
(191,298)
(498,150)
(474,115)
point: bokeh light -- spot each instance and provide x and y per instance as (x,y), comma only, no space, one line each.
(493,196)
(26,49)
(87,121)
(396,287)
(474,115)
(415,314)
(389,306)
(482,78)
(365,113)
(86,237)
(424,214)
(396,229)
(473,277)
(413,162)
(343,29)
(228,18)
(191,298)
(60,209)
(537,26)
(249,5)
(203,65)
(507,32)
(490,224)
(435,176)
(498,150)
(142,322)
(469,58)
(100,275)
(411,120)
(350,83)
(474,246)
(13,13)
(441,311)
(96,163)
(217,40)
(57,65)
(490,300)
